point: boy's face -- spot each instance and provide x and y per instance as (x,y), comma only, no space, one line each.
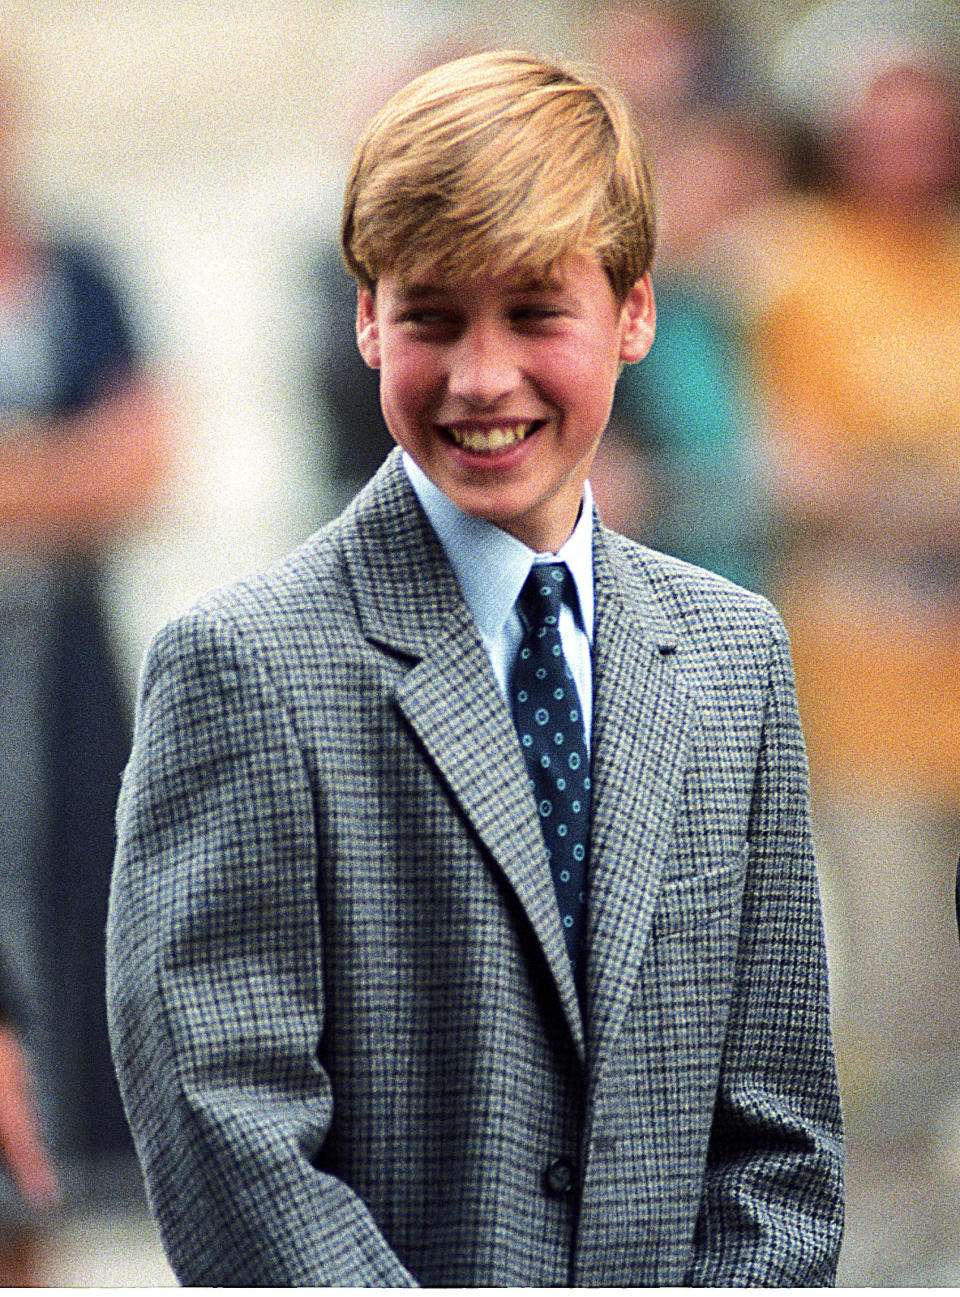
(500,388)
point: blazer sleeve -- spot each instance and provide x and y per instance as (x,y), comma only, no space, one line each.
(214,981)
(772,1208)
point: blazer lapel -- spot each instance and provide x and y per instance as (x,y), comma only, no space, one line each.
(455,706)
(642,721)
(409,603)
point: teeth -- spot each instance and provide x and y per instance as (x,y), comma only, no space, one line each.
(493,438)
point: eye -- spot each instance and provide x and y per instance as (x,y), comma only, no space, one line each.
(428,320)
(537,315)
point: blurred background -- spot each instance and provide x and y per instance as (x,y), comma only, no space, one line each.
(180,402)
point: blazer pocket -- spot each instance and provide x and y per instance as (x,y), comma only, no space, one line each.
(694,902)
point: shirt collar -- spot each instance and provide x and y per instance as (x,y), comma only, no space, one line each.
(491,565)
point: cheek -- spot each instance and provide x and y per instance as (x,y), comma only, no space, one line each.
(582,382)
(407,382)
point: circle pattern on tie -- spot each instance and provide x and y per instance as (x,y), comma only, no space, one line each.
(547,714)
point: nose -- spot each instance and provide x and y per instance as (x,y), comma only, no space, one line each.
(483,367)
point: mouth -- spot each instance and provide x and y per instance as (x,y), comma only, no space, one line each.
(485,439)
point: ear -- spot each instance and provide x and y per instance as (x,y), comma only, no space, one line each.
(638,321)
(368,330)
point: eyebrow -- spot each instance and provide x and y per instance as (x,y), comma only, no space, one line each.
(416,291)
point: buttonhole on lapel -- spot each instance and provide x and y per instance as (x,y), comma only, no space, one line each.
(666,650)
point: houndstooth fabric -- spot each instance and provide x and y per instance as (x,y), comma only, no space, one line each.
(342,1011)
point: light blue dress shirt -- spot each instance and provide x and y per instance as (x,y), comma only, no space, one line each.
(491,567)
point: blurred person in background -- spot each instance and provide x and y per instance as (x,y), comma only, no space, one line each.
(81,453)
(672,59)
(352,440)
(23,1156)
(858,340)
(681,468)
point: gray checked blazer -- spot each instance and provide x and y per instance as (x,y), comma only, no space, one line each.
(341,1008)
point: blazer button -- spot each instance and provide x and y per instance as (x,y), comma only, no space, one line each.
(560,1177)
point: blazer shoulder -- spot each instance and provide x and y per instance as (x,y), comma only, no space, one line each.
(694,603)
(312,606)
(301,603)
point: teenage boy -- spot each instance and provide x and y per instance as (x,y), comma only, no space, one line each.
(464,927)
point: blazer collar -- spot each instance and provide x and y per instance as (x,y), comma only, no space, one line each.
(405,591)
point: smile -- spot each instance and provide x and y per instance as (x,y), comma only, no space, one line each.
(495,436)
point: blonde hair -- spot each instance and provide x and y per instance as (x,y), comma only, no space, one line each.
(499,161)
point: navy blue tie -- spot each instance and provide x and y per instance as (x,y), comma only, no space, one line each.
(547,713)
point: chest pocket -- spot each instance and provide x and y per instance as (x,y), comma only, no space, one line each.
(699,902)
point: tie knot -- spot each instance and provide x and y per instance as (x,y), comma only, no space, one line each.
(543,592)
